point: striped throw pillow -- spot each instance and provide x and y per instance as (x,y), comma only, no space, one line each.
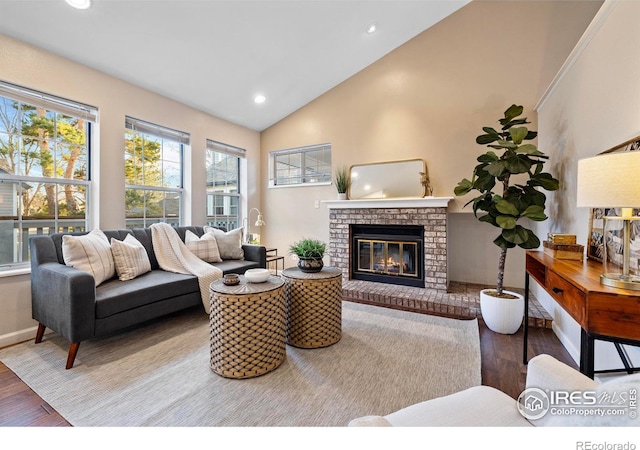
(205,247)
(91,253)
(130,257)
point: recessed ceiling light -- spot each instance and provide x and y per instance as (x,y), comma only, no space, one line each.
(79,4)
(260,99)
(372,28)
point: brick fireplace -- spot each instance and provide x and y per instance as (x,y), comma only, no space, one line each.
(428,212)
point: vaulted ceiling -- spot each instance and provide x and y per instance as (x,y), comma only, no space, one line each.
(217,55)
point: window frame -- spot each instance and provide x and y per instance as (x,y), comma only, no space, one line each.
(144,128)
(305,179)
(60,107)
(219,147)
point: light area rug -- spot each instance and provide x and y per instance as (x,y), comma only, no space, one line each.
(159,374)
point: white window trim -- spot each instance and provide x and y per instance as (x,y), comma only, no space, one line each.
(303,149)
(66,107)
(163,132)
(241,154)
(298,185)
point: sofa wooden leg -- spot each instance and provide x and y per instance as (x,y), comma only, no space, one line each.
(73,351)
(40,333)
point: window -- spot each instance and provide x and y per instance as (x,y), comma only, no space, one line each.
(302,165)
(153,173)
(45,144)
(223,181)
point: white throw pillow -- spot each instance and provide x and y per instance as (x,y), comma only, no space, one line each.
(205,247)
(229,243)
(131,258)
(91,253)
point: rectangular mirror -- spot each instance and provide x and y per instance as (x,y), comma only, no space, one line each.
(393,179)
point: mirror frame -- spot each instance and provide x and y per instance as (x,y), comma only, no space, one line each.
(424,184)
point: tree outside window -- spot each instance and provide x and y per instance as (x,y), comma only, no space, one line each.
(153,174)
(44,157)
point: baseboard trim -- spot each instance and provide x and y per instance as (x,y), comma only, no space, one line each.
(567,343)
(18,337)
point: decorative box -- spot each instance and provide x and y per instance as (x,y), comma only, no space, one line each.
(557,238)
(564,251)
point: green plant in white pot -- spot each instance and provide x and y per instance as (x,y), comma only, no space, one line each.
(519,197)
(342,180)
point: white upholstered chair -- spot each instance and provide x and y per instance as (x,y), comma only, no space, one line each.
(487,406)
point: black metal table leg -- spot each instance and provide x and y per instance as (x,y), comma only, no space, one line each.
(623,358)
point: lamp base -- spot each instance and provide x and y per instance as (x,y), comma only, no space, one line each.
(620,281)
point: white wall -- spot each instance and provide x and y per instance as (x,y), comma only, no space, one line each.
(37,69)
(593,106)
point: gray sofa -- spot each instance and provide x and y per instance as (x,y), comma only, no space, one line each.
(66,300)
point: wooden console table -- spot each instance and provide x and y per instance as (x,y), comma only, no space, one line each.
(603,313)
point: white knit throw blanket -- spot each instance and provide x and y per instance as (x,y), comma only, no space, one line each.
(174,256)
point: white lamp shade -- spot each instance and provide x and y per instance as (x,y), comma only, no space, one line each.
(610,181)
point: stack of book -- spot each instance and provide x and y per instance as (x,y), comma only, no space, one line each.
(563,246)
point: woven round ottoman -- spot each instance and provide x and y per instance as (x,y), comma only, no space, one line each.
(314,307)
(247,327)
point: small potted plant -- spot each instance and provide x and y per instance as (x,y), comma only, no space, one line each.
(310,253)
(341,178)
(520,197)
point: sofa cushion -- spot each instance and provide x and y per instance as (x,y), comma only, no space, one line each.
(229,242)
(204,247)
(130,257)
(238,266)
(144,236)
(116,296)
(90,253)
(476,406)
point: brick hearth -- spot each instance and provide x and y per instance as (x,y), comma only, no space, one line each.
(439,296)
(461,302)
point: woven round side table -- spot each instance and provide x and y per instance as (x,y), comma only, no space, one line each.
(314,307)
(247,327)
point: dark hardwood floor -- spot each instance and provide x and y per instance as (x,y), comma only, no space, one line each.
(502,368)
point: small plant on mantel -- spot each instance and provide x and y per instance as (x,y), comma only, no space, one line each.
(310,253)
(342,180)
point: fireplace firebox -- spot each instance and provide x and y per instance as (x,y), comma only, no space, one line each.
(388,254)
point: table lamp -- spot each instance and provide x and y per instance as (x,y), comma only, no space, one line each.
(259,223)
(612,180)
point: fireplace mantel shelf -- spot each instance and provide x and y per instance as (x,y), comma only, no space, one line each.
(424,202)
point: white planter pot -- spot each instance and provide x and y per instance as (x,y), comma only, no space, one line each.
(342,196)
(502,315)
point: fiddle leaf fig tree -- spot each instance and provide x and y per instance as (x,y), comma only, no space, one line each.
(510,155)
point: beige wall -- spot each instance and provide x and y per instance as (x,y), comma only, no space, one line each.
(37,69)
(593,107)
(429,99)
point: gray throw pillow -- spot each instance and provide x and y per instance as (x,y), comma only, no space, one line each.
(229,243)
